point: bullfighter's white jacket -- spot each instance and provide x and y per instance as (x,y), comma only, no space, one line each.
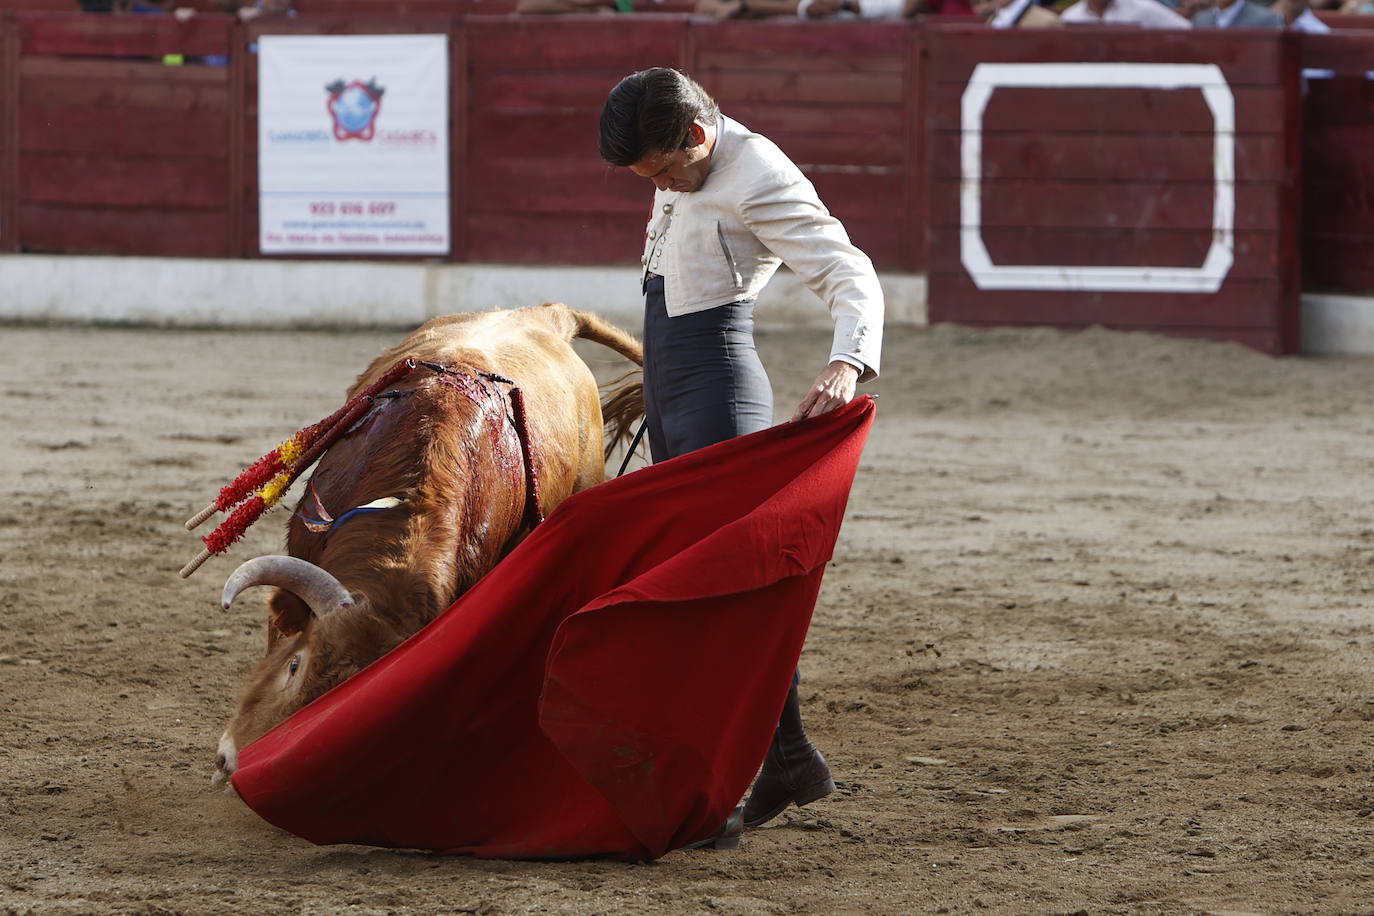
(723,242)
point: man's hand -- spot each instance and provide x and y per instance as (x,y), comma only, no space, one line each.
(834,387)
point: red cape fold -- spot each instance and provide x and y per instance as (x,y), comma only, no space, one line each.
(609,689)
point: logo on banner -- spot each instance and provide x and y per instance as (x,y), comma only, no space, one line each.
(354,107)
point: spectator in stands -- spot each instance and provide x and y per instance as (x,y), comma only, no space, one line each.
(1149,14)
(154,7)
(1015,14)
(880,9)
(1298,16)
(1237,14)
(265,8)
(829,9)
(545,7)
(856,9)
(946,8)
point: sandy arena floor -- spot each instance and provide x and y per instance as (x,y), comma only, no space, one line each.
(1097,640)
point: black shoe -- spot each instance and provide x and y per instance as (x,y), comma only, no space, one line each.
(727,837)
(794,772)
(786,780)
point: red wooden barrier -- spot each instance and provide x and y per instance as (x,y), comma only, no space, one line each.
(535,189)
(1345,20)
(119,153)
(835,98)
(1338,175)
(48,6)
(1059,198)
(9,151)
(105,149)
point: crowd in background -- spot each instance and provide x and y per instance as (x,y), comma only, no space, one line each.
(243,11)
(1159,14)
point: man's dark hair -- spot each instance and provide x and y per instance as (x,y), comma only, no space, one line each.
(652,110)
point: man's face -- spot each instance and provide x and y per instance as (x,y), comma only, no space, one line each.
(680,170)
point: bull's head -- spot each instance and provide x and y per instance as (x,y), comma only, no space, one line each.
(299,667)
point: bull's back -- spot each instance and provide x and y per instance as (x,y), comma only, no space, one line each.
(532,347)
(522,341)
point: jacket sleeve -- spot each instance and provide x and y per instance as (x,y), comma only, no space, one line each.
(787,217)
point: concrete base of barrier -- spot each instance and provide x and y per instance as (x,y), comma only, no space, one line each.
(1337,324)
(185,292)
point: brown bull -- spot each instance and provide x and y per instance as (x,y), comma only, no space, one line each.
(438,469)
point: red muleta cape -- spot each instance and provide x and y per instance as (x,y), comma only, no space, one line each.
(610,688)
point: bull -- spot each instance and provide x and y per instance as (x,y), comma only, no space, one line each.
(425,494)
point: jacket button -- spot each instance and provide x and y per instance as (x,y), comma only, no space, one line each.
(652,235)
(667,208)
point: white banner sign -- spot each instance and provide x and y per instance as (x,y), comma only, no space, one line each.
(353,144)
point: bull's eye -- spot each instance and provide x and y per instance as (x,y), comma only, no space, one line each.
(293,666)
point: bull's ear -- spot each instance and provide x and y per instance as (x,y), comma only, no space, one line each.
(287,615)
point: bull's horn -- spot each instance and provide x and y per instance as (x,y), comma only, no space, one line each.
(317,588)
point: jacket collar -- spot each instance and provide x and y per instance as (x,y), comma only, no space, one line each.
(727,145)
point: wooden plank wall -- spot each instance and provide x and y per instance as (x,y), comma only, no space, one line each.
(50,6)
(533,186)
(119,153)
(9,131)
(1338,167)
(834,98)
(1345,20)
(108,150)
(1118,177)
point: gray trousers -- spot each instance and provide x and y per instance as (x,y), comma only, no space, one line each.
(703,381)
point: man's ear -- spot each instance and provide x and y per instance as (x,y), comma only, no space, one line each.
(696,135)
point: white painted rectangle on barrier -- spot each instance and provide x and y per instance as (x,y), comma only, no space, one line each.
(1216,92)
(353,144)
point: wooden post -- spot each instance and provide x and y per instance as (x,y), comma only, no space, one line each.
(9,124)
(459,89)
(1290,192)
(238,104)
(914,141)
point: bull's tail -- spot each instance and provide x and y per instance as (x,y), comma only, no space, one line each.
(623,403)
(594,328)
